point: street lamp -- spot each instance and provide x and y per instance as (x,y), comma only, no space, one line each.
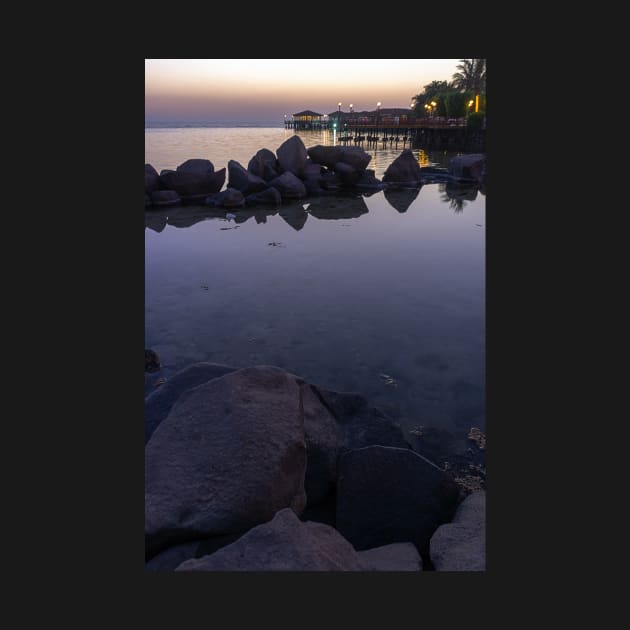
(433,106)
(351,108)
(339,106)
(378,111)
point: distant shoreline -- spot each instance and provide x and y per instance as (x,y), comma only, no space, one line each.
(196,125)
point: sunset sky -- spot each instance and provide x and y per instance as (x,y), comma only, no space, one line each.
(263,90)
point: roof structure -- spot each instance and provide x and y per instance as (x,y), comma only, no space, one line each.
(308,112)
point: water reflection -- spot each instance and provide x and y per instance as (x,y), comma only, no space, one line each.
(457,194)
(400,199)
(295,215)
(338,207)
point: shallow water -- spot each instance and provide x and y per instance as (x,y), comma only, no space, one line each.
(344,291)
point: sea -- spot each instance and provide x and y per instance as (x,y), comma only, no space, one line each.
(381,294)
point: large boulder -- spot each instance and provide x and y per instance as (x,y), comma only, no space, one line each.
(360,424)
(289,186)
(228,456)
(369,182)
(263,164)
(292,155)
(468,167)
(404,170)
(348,174)
(355,157)
(323,442)
(387,495)
(228,198)
(283,544)
(312,170)
(328,156)
(394,557)
(241,179)
(193,184)
(461,545)
(151,179)
(159,403)
(197,165)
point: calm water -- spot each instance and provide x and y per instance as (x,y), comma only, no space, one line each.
(355,287)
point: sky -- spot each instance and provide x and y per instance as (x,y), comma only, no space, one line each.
(263,90)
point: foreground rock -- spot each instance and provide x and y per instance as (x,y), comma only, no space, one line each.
(172,557)
(292,156)
(283,544)
(228,456)
(159,403)
(242,179)
(289,186)
(151,179)
(461,545)
(404,170)
(387,495)
(193,184)
(395,557)
(151,360)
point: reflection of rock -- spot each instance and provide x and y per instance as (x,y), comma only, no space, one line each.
(189,215)
(338,207)
(456,190)
(228,198)
(261,215)
(295,216)
(401,198)
(156,219)
(271,196)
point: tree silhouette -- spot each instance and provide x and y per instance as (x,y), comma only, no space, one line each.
(471,76)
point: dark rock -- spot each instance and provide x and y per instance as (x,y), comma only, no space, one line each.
(292,156)
(241,179)
(228,456)
(322,512)
(196,165)
(347,174)
(387,495)
(193,184)
(289,185)
(467,167)
(461,545)
(151,179)
(283,544)
(368,181)
(161,198)
(355,157)
(395,557)
(404,170)
(151,361)
(159,403)
(165,171)
(328,156)
(360,424)
(172,557)
(330,181)
(228,198)
(147,200)
(323,442)
(313,186)
(270,196)
(263,158)
(401,198)
(311,170)
(270,172)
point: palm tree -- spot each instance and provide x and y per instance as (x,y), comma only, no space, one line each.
(471,76)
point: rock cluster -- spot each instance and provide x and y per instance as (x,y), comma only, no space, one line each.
(256,469)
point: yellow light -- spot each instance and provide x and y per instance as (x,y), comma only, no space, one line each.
(433,103)
(378,104)
(470,102)
(339,104)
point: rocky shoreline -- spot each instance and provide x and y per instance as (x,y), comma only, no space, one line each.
(255,469)
(295,172)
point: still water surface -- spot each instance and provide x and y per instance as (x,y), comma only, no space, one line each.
(340,290)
